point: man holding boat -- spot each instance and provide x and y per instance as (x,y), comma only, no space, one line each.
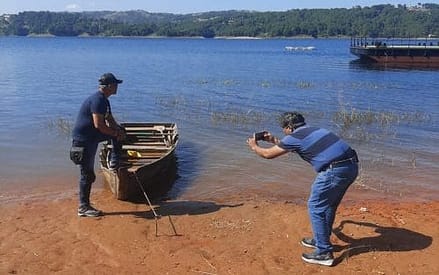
(336,164)
(94,124)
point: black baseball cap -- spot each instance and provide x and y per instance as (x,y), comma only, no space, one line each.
(109,78)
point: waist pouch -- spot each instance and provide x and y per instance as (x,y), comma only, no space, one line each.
(77,154)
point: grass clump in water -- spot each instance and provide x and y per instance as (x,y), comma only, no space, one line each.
(304,85)
(61,126)
(366,125)
(238,117)
(347,119)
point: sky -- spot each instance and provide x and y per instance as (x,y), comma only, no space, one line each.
(186,6)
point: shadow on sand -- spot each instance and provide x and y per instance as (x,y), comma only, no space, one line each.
(176,208)
(388,239)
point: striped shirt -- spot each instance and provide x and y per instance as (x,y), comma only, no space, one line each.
(317,146)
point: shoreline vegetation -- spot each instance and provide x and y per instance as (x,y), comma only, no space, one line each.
(376,21)
(85,35)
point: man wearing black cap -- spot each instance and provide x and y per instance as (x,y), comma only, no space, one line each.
(336,164)
(94,124)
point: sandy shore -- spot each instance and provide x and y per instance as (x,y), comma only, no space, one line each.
(230,236)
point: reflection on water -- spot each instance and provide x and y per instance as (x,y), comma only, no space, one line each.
(360,64)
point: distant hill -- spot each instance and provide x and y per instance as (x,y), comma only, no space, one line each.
(374,21)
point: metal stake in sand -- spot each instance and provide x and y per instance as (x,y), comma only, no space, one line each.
(156,216)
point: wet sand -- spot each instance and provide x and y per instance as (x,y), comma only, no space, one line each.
(243,233)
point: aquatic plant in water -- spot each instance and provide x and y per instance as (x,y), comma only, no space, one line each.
(61,126)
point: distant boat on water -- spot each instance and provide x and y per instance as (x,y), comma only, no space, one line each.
(300,48)
(403,51)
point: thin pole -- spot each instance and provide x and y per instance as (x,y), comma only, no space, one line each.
(156,216)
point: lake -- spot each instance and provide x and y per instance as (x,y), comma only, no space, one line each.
(220,91)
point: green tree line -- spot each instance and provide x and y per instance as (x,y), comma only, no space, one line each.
(375,21)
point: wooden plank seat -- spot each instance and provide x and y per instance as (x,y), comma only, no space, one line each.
(149,129)
(142,147)
(137,162)
(144,156)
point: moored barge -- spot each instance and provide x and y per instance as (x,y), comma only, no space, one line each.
(402,51)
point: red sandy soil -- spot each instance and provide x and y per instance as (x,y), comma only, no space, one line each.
(230,236)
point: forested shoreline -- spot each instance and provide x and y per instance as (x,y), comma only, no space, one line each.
(375,21)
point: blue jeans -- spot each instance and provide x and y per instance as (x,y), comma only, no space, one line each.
(88,175)
(87,170)
(327,191)
(115,153)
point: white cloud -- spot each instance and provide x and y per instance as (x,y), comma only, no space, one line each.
(72,7)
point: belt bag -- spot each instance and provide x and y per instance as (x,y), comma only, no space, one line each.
(77,154)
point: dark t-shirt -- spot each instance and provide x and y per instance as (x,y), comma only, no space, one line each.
(84,129)
(317,146)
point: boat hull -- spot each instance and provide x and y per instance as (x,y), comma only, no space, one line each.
(148,164)
(156,180)
(426,57)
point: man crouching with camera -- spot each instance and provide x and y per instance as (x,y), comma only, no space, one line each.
(336,164)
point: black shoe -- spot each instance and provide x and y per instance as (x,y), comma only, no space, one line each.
(88,211)
(323,259)
(308,242)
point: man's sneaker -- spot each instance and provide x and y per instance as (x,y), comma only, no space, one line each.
(308,242)
(88,211)
(323,259)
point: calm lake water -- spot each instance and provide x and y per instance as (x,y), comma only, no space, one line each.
(219,92)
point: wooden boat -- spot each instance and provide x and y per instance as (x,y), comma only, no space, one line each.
(414,52)
(147,158)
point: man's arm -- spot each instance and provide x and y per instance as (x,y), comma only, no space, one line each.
(101,125)
(268,153)
(112,122)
